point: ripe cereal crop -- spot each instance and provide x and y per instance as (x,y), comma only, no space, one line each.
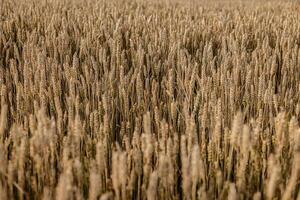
(149,100)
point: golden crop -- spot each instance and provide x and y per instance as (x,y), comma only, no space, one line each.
(149,99)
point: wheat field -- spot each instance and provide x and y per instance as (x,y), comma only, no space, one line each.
(149,100)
